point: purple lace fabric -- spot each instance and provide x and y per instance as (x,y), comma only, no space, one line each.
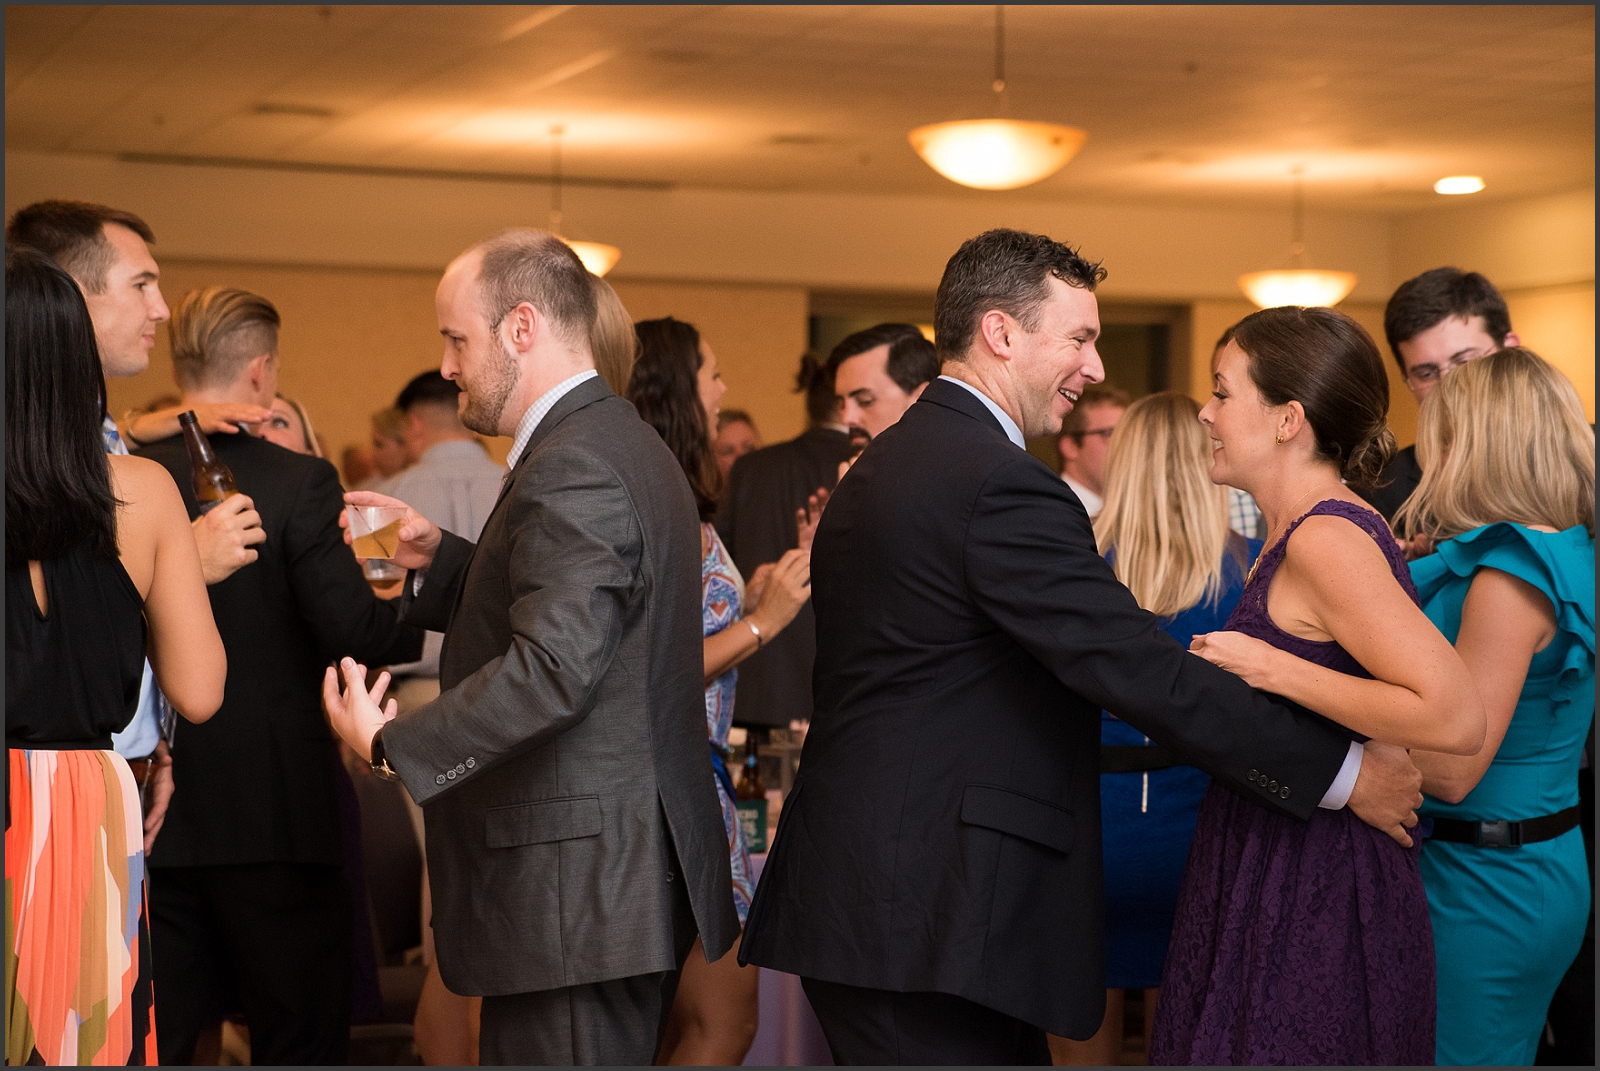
(1298,942)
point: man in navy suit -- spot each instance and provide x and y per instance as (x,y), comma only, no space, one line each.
(936,880)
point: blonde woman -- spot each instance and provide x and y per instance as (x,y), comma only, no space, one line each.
(612,340)
(1164,529)
(1507,494)
(290,427)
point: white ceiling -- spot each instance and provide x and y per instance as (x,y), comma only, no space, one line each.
(1182,103)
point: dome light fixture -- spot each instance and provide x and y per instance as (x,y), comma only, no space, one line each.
(597,257)
(1296,284)
(997,154)
(1458,184)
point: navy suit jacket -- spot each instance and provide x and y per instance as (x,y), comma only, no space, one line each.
(944,829)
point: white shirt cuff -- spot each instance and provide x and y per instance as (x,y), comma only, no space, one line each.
(1339,792)
(421,575)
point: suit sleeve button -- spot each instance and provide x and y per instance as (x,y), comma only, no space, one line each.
(451,774)
(1272,786)
(461,768)
(1253,776)
(471,763)
(1283,793)
(439,780)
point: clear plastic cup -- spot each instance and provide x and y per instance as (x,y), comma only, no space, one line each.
(375,530)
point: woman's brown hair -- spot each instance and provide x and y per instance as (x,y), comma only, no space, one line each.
(664,388)
(1328,363)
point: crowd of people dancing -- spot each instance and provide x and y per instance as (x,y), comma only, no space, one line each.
(1239,715)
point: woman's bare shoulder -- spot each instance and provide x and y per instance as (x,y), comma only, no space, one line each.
(143,487)
(1331,545)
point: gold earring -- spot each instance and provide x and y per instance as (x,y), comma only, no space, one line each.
(1279,440)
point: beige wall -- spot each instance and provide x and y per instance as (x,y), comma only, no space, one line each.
(1557,322)
(850,242)
(352,337)
(1536,242)
(740,264)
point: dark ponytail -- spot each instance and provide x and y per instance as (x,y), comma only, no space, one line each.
(58,482)
(1328,363)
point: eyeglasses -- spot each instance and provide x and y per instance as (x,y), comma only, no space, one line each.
(1424,374)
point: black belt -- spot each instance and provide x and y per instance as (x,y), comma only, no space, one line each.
(1133,758)
(1504,834)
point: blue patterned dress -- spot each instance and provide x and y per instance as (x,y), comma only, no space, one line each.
(721,598)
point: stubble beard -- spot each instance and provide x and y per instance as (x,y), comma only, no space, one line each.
(486,396)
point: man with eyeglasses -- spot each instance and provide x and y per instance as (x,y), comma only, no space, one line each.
(1085,441)
(1436,323)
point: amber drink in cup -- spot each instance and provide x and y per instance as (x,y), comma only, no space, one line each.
(375,530)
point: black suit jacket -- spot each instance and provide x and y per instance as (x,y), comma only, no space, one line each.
(564,771)
(756,522)
(1395,484)
(944,829)
(255,783)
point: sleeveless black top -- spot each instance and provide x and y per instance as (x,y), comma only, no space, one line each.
(72,676)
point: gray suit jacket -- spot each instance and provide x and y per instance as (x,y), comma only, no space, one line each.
(563,771)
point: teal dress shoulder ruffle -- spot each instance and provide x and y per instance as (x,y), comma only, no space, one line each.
(1559,564)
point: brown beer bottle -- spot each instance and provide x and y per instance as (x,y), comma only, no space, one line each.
(750,786)
(750,800)
(213,482)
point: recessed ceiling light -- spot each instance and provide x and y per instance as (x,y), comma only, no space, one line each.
(1458,184)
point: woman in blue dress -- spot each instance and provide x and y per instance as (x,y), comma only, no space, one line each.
(1164,529)
(676,386)
(1507,495)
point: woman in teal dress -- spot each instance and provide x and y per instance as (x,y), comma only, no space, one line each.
(1507,495)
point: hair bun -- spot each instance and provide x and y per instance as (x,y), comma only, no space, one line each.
(1368,460)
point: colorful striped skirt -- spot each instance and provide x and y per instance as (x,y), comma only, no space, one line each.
(75,918)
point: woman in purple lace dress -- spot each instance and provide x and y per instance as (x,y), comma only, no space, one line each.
(1308,942)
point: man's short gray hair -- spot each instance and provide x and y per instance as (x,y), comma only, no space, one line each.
(539,268)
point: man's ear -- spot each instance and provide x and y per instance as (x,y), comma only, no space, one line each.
(521,327)
(995,328)
(1511,340)
(257,368)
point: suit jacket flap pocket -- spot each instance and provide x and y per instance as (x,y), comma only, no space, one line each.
(543,822)
(1021,816)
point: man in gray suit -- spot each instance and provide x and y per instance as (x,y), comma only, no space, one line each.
(575,843)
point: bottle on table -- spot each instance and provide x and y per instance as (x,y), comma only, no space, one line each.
(213,481)
(750,799)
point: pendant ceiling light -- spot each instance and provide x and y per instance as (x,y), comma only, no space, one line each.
(596,256)
(997,154)
(1297,285)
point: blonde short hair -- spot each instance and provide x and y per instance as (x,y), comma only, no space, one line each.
(1502,438)
(217,331)
(1164,518)
(390,423)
